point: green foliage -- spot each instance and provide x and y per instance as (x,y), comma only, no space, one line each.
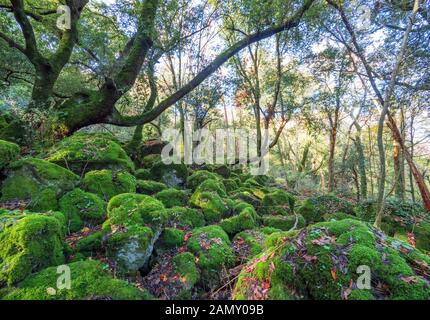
(29,244)
(39,181)
(84,152)
(172,197)
(107,183)
(82,209)
(90,281)
(8,152)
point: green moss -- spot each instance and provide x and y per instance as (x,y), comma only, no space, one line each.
(87,246)
(172,197)
(184,265)
(89,281)
(338,216)
(143,174)
(108,183)
(231,184)
(83,152)
(321,261)
(172,237)
(148,161)
(284,222)
(135,209)
(212,205)
(82,209)
(278,202)
(29,244)
(251,241)
(246,219)
(149,187)
(11,128)
(194,180)
(8,152)
(185,217)
(212,185)
(313,209)
(173,175)
(212,247)
(39,181)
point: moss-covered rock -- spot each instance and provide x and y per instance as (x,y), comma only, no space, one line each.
(82,209)
(322,261)
(284,222)
(184,265)
(8,153)
(148,161)
(89,245)
(213,206)
(313,209)
(212,185)
(84,152)
(246,219)
(212,247)
(130,209)
(278,202)
(220,169)
(172,197)
(38,181)
(194,180)
(248,244)
(108,183)
(143,174)
(89,281)
(149,187)
(185,217)
(338,216)
(172,175)
(28,244)
(231,184)
(172,238)
(11,128)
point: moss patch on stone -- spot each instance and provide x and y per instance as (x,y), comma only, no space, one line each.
(172,197)
(313,209)
(90,281)
(284,222)
(108,183)
(172,175)
(38,181)
(149,187)
(8,153)
(82,209)
(85,152)
(185,217)
(194,180)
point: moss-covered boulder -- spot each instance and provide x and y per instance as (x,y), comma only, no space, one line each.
(82,209)
(185,267)
(196,179)
(28,243)
(284,222)
(247,244)
(148,161)
(246,219)
(135,209)
(172,197)
(8,153)
(134,225)
(84,152)
(213,206)
(107,183)
(278,202)
(212,247)
(149,187)
(313,209)
(90,280)
(173,175)
(212,185)
(143,174)
(220,169)
(172,238)
(231,184)
(40,182)
(324,261)
(185,218)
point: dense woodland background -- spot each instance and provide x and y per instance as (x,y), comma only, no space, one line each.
(343,87)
